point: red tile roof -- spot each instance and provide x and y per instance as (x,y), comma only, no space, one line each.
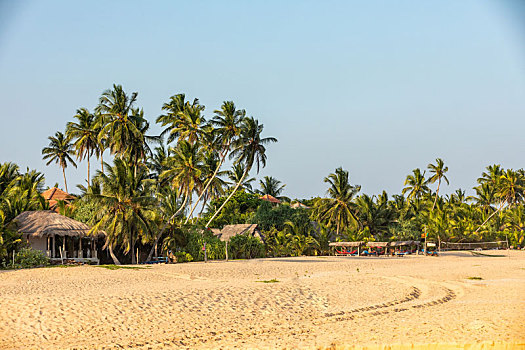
(270,199)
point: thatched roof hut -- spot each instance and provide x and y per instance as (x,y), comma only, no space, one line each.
(230,231)
(45,223)
(346,244)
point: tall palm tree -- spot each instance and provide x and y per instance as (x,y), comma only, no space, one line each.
(172,118)
(339,208)
(120,126)
(84,135)
(271,186)
(249,149)
(439,169)
(227,122)
(510,190)
(415,185)
(59,151)
(126,207)
(236,175)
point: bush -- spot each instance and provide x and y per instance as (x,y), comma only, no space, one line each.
(195,241)
(183,257)
(28,257)
(246,247)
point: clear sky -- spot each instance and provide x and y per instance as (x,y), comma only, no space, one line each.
(378,87)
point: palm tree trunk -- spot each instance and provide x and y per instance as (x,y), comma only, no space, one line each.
(437,193)
(157,238)
(133,259)
(88,178)
(491,215)
(64,174)
(230,196)
(113,256)
(208,184)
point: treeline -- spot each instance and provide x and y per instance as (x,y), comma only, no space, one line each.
(162,192)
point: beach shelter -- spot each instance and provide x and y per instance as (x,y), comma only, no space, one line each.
(345,245)
(41,229)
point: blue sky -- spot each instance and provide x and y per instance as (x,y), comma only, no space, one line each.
(378,87)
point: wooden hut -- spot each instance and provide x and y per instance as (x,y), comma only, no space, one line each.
(58,236)
(404,244)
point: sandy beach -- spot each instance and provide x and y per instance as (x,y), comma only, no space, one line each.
(306,302)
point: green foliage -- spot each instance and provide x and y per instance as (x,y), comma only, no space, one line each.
(85,211)
(215,248)
(183,257)
(245,247)
(27,258)
(238,210)
(268,217)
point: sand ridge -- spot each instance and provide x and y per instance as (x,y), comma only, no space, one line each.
(316,302)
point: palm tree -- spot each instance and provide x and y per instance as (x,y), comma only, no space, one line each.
(339,208)
(271,186)
(236,175)
(415,185)
(174,110)
(59,151)
(120,127)
(227,121)
(126,207)
(249,149)
(85,136)
(439,170)
(510,190)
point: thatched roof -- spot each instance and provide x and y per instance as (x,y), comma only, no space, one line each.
(229,231)
(378,244)
(346,244)
(297,205)
(43,223)
(270,198)
(403,243)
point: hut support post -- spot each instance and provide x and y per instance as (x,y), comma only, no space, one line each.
(226,250)
(358,250)
(48,250)
(80,254)
(53,246)
(64,247)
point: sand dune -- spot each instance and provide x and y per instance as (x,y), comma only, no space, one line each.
(317,303)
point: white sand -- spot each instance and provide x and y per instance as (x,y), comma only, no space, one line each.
(318,302)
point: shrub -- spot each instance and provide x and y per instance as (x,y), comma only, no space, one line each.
(28,257)
(246,247)
(183,257)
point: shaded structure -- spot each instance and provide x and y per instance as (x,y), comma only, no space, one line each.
(298,205)
(58,236)
(230,231)
(342,248)
(270,198)
(54,194)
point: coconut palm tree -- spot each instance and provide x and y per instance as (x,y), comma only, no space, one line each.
(415,185)
(84,135)
(438,170)
(339,209)
(126,207)
(271,186)
(227,122)
(121,123)
(172,118)
(249,149)
(236,175)
(59,150)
